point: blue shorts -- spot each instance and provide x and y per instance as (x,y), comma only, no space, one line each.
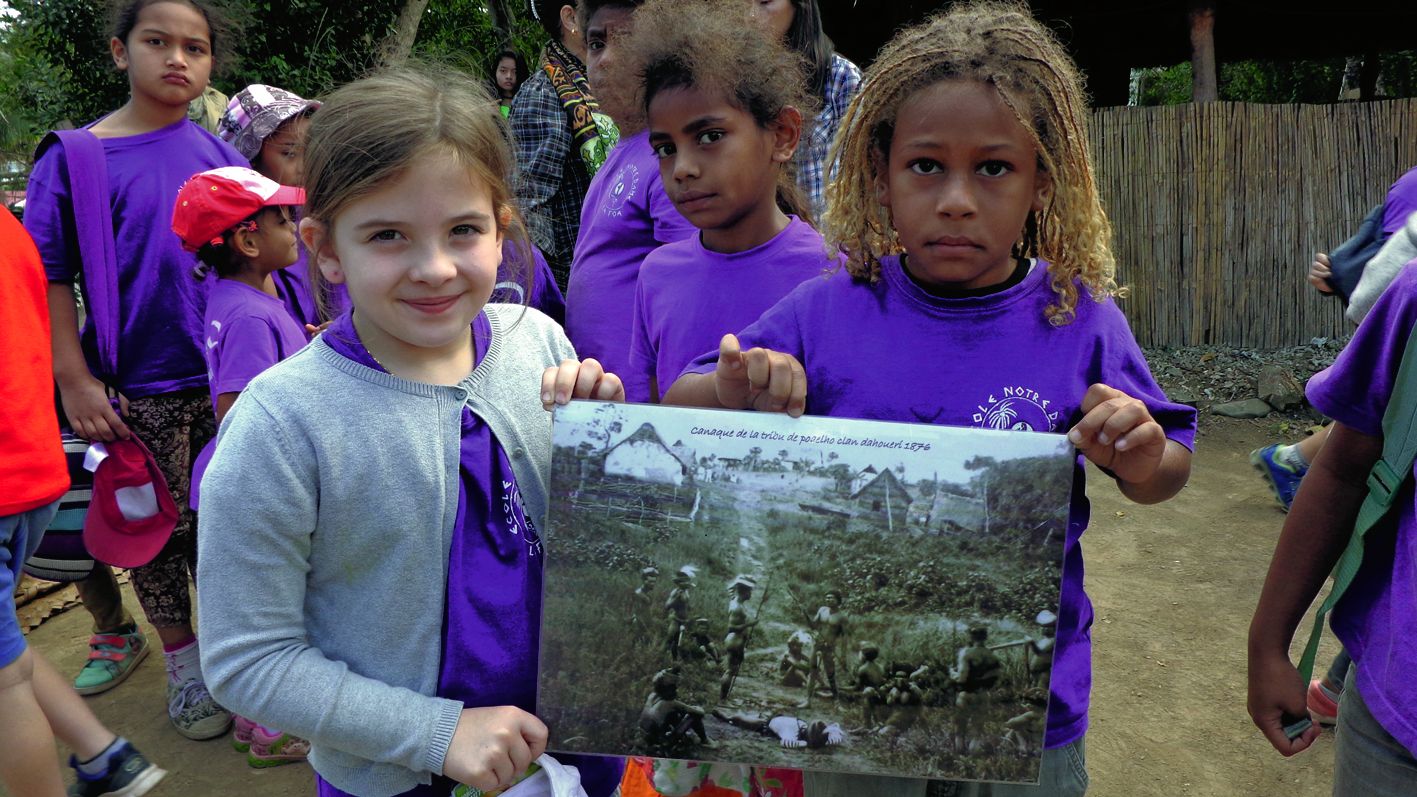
(19,536)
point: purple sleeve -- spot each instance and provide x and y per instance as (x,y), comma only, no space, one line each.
(1355,390)
(778,329)
(642,355)
(669,224)
(49,216)
(248,347)
(1401,202)
(1127,371)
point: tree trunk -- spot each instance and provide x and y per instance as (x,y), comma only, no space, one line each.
(1368,78)
(397,46)
(1204,85)
(501,16)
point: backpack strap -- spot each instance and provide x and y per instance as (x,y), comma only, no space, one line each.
(93,225)
(1385,481)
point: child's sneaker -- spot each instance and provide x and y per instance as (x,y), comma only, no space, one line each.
(241,733)
(112,658)
(130,774)
(1323,703)
(194,712)
(273,750)
(1282,477)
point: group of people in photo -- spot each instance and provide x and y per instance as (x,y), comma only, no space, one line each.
(314,349)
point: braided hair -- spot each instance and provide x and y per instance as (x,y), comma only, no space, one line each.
(1001,45)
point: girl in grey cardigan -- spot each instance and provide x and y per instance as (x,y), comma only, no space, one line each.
(370,562)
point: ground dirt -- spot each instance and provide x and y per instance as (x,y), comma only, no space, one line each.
(1174,586)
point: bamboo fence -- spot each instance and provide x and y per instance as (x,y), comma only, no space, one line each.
(1218,209)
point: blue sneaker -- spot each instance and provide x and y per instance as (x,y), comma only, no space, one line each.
(1282,478)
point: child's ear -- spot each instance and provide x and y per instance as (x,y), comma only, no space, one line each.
(119,51)
(320,244)
(1042,190)
(879,178)
(787,133)
(244,244)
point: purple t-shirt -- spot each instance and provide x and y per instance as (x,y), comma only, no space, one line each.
(893,352)
(248,331)
(626,216)
(511,283)
(688,297)
(1401,202)
(1376,616)
(492,620)
(161,306)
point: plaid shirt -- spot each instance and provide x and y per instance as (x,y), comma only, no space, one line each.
(551,179)
(843,79)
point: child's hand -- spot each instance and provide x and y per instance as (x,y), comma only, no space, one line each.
(583,379)
(766,380)
(491,746)
(1118,433)
(1319,272)
(1276,699)
(85,401)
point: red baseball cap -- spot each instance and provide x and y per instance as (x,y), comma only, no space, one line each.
(131,514)
(214,201)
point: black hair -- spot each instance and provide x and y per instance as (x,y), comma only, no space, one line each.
(586,9)
(517,59)
(123,17)
(680,44)
(806,38)
(222,257)
(548,13)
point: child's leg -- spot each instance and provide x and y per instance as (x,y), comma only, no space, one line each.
(117,645)
(1367,761)
(103,600)
(174,426)
(27,763)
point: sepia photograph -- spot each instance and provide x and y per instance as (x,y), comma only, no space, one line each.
(815,593)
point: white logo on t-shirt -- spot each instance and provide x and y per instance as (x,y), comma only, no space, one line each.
(622,190)
(1019,409)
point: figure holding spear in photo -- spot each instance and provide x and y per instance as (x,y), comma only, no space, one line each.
(735,644)
(676,609)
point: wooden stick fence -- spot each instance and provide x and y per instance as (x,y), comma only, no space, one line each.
(1219,208)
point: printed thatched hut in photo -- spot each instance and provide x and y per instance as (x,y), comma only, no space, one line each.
(883,499)
(644,457)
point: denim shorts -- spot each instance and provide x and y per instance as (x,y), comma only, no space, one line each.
(19,536)
(1367,761)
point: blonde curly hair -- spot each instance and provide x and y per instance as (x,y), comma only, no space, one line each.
(1001,45)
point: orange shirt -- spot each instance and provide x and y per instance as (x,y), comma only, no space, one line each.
(32,468)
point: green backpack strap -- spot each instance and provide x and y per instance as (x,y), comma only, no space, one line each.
(1385,480)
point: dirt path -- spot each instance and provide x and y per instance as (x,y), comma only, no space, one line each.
(1174,586)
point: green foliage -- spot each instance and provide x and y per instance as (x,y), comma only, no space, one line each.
(460,32)
(1310,81)
(55,65)
(1316,80)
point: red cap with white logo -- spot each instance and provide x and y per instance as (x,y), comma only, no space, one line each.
(214,201)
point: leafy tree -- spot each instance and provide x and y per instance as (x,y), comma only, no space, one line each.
(55,66)
(1317,80)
